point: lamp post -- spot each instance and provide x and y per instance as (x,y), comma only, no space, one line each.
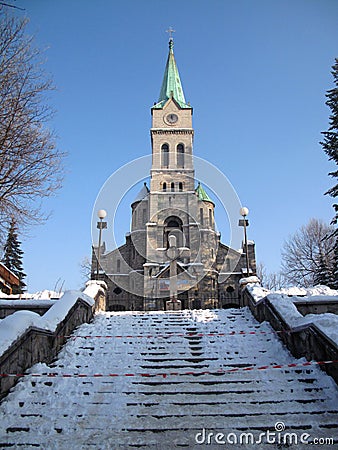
(100,225)
(245,223)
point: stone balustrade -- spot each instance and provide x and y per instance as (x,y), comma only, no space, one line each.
(304,339)
(27,338)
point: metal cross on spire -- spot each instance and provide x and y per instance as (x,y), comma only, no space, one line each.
(170,31)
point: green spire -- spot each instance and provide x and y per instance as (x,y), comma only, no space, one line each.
(171,85)
(202,195)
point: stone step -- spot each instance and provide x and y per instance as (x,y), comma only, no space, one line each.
(150,412)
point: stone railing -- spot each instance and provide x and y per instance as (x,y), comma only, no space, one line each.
(41,306)
(27,338)
(8,307)
(320,306)
(302,336)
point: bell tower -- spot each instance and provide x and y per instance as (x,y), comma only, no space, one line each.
(172,134)
(174,203)
(172,173)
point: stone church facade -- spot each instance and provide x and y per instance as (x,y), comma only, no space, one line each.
(207,272)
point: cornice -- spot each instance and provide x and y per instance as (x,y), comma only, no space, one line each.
(172,131)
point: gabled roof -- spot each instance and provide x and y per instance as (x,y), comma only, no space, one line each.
(171,85)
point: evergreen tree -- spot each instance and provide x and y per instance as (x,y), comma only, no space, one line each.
(330,146)
(335,266)
(330,142)
(324,274)
(12,258)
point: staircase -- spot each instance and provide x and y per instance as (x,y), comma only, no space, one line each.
(171,380)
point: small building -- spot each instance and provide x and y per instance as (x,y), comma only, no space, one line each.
(207,272)
(8,280)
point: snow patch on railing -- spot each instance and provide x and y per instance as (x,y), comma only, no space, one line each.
(94,287)
(15,325)
(58,312)
(284,302)
(325,322)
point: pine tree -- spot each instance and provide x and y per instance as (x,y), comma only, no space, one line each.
(335,266)
(330,147)
(324,274)
(13,257)
(330,142)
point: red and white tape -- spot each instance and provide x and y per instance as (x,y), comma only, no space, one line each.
(166,335)
(168,374)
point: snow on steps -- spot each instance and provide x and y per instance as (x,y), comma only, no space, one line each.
(167,412)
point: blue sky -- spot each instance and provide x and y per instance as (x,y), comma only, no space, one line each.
(255,72)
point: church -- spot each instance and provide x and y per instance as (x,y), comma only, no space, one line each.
(173,254)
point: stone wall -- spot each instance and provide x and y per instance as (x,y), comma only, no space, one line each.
(42,345)
(8,307)
(317,307)
(307,341)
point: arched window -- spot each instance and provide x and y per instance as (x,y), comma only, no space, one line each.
(180,155)
(210,218)
(173,222)
(173,226)
(164,186)
(172,187)
(180,187)
(165,155)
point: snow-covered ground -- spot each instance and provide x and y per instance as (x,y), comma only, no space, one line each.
(164,380)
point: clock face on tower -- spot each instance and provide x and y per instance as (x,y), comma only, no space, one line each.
(171,118)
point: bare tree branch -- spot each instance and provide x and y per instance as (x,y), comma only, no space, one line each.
(302,253)
(271,281)
(30,164)
(85,268)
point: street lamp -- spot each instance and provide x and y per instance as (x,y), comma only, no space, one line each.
(100,225)
(245,223)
